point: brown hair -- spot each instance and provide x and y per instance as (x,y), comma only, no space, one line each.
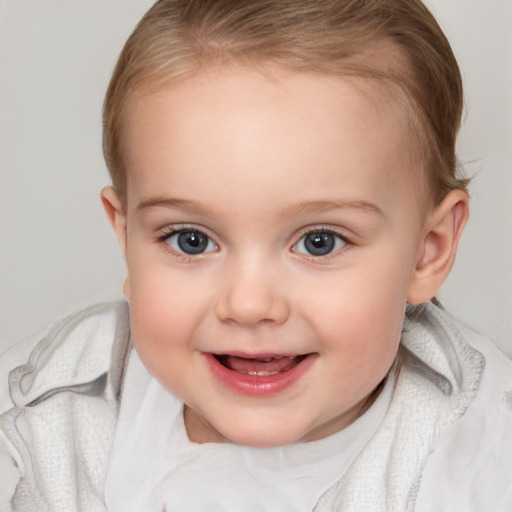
(397,42)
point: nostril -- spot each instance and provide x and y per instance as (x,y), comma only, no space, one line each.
(252,311)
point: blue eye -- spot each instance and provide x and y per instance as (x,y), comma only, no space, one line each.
(319,243)
(189,241)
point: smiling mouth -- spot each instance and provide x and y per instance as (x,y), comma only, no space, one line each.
(260,366)
(259,375)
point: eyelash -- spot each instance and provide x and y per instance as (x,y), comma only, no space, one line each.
(323,230)
(165,234)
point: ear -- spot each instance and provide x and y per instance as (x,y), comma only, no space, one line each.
(115,213)
(443,228)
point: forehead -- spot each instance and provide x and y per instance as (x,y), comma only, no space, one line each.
(307,129)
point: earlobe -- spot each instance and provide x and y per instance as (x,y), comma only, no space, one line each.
(115,213)
(444,227)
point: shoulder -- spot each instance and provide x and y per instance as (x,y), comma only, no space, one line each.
(17,355)
(469,468)
(59,390)
(76,350)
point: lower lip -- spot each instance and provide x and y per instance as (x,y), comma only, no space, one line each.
(258,385)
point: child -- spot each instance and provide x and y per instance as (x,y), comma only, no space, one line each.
(285,195)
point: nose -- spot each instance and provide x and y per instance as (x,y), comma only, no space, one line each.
(252,295)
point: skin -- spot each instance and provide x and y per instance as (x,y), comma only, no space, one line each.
(253,161)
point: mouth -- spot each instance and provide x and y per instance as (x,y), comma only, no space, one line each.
(260,366)
(261,374)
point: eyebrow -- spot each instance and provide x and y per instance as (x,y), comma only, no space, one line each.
(308,207)
(323,206)
(174,203)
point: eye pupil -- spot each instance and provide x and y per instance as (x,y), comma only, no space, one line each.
(319,244)
(192,242)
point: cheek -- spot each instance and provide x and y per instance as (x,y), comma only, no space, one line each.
(163,332)
(163,311)
(364,343)
(360,315)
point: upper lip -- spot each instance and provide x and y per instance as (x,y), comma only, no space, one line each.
(258,355)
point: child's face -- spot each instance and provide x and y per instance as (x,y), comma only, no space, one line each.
(273,228)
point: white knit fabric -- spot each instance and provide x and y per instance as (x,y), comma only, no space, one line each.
(59,429)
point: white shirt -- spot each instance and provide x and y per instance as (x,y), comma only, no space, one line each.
(154,466)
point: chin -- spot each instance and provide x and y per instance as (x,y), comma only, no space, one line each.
(264,437)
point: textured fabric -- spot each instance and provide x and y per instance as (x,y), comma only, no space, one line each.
(474,454)
(58,432)
(444,444)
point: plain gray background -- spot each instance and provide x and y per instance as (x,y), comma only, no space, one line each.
(56,251)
